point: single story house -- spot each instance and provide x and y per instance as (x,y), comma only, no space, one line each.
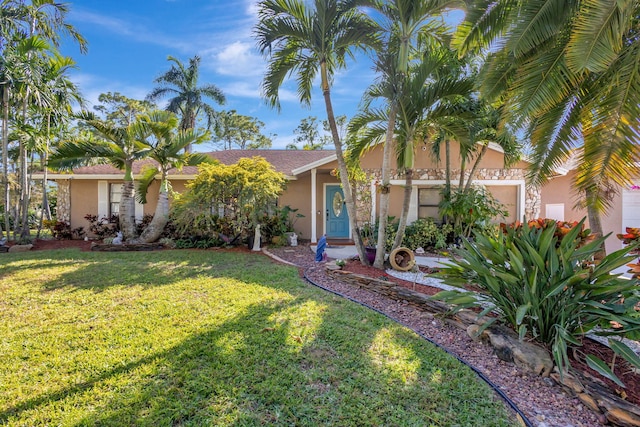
(313,187)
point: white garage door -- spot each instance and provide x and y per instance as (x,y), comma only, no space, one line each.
(630,208)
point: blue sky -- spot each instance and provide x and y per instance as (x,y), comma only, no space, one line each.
(129,42)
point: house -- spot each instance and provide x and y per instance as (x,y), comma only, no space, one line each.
(313,187)
(559,200)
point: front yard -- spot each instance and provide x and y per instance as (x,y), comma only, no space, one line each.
(211,338)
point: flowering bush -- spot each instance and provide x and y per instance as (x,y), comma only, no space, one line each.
(631,236)
(562,228)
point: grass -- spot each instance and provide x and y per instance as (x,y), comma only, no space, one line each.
(200,338)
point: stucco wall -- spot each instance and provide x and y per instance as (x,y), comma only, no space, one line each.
(560,190)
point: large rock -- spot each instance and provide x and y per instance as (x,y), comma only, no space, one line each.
(528,356)
(20,248)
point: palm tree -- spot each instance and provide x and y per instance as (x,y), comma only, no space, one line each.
(555,72)
(119,146)
(168,151)
(428,106)
(407,25)
(187,97)
(307,40)
(38,24)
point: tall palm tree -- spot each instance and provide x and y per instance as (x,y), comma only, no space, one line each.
(570,71)
(308,39)
(187,96)
(167,149)
(119,146)
(429,105)
(407,24)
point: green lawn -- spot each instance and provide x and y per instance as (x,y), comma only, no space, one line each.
(210,338)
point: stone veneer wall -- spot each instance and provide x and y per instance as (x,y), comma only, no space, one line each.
(63,208)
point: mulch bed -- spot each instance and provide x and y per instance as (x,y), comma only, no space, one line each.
(622,368)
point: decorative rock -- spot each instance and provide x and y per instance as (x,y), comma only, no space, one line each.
(526,355)
(620,417)
(20,248)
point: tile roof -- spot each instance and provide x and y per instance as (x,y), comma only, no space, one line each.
(285,161)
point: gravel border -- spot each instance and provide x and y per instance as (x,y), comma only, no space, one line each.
(544,402)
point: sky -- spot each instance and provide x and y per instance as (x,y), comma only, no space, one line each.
(129,42)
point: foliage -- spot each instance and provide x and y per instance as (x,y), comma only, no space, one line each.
(369,233)
(562,228)
(213,338)
(121,110)
(187,96)
(281,221)
(237,130)
(470,210)
(242,193)
(198,242)
(425,233)
(632,236)
(61,230)
(103,227)
(168,231)
(545,289)
(308,135)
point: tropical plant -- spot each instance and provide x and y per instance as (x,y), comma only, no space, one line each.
(168,150)
(240,193)
(547,290)
(426,234)
(187,96)
(117,145)
(553,66)
(29,32)
(471,209)
(307,39)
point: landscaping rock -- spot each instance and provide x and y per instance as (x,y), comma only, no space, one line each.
(528,356)
(20,248)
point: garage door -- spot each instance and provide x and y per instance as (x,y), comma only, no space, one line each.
(630,208)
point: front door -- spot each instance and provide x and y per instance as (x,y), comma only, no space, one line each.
(336,213)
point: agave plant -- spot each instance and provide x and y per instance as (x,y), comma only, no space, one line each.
(547,289)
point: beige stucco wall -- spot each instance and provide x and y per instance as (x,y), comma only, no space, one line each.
(561,190)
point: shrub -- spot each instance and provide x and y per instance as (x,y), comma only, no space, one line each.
(547,288)
(470,210)
(62,231)
(425,233)
(103,227)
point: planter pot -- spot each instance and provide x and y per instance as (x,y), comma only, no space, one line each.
(371,254)
(402,259)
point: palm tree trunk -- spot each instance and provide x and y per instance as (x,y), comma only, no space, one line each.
(385,186)
(476,164)
(595,223)
(342,166)
(5,157)
(408,189)
(160,217)
(127,214)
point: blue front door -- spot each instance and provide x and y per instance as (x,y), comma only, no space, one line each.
(336,213)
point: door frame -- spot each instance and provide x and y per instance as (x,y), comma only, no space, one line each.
(325,187)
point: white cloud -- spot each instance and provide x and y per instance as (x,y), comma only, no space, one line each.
(238,59)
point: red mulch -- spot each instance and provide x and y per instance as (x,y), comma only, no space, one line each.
(622,368)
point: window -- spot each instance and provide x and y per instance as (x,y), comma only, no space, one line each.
(115,194)
(428,201)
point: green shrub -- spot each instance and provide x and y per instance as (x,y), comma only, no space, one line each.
(470,210)
(548,290)
(425,233)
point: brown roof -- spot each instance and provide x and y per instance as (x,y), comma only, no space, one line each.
(285,161)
